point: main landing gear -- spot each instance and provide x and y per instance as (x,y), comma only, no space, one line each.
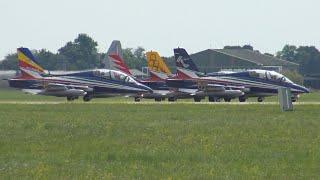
(172,99)
(71,98)
(214,99)
(87,98)
(158,99)
(197,99)
(227,99)
(217,99)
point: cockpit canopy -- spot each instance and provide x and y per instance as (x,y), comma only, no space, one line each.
(113,75)
(269,75)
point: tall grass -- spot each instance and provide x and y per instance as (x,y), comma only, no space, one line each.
(160,141)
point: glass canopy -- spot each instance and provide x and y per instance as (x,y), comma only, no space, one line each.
(269,75)
(113,75)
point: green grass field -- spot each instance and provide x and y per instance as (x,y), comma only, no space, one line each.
(157,141)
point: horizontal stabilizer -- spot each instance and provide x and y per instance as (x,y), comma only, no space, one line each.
(157,76)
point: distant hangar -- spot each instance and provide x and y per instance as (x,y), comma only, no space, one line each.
(213,60)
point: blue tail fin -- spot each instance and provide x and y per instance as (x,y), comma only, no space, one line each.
(183,60)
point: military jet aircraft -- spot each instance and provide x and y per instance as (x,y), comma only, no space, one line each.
(253,83)
(97,83)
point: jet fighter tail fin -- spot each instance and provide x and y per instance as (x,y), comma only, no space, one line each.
(29,66)
(185,65)
(114,58)
(156,63)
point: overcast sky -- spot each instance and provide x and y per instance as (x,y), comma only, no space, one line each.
(160,25)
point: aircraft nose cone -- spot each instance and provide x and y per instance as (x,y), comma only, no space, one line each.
(306,90)
(150,90)
(303,89)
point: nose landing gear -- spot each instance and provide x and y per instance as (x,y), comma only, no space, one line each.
(172,99)
(260,99)
(242,99)
(137,99)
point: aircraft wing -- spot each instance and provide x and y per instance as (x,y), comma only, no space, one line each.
(161,92)
(59,90)
(61,87)
(214,87)
(236,87)
(55,87)
(181,91)
(206,88)
(204,85)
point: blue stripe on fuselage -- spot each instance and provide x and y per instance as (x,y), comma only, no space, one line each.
(89,77)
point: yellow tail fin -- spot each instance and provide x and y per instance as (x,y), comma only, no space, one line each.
(156,63)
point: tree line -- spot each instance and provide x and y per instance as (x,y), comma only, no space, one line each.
(82,53)
(79,54)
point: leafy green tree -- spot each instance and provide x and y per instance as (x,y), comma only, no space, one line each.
(293,76)
(47,59)
(171,63)
(308,57)
(288,53)
(232,47)
(135,58)
(128,57)
(268,54)
(10,62)
(139,53)
(248,46)
(81,54)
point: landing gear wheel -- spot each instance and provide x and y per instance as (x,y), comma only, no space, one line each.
(214,99)
(172,99)
(86,98)
(260,99)
(242,99)
(70,98)
(158,99)
(293,99)
(197,99)
(137,99)
(211,99)
(227,99)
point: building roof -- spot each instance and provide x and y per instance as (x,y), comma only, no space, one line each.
(136,72)
(255,57)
